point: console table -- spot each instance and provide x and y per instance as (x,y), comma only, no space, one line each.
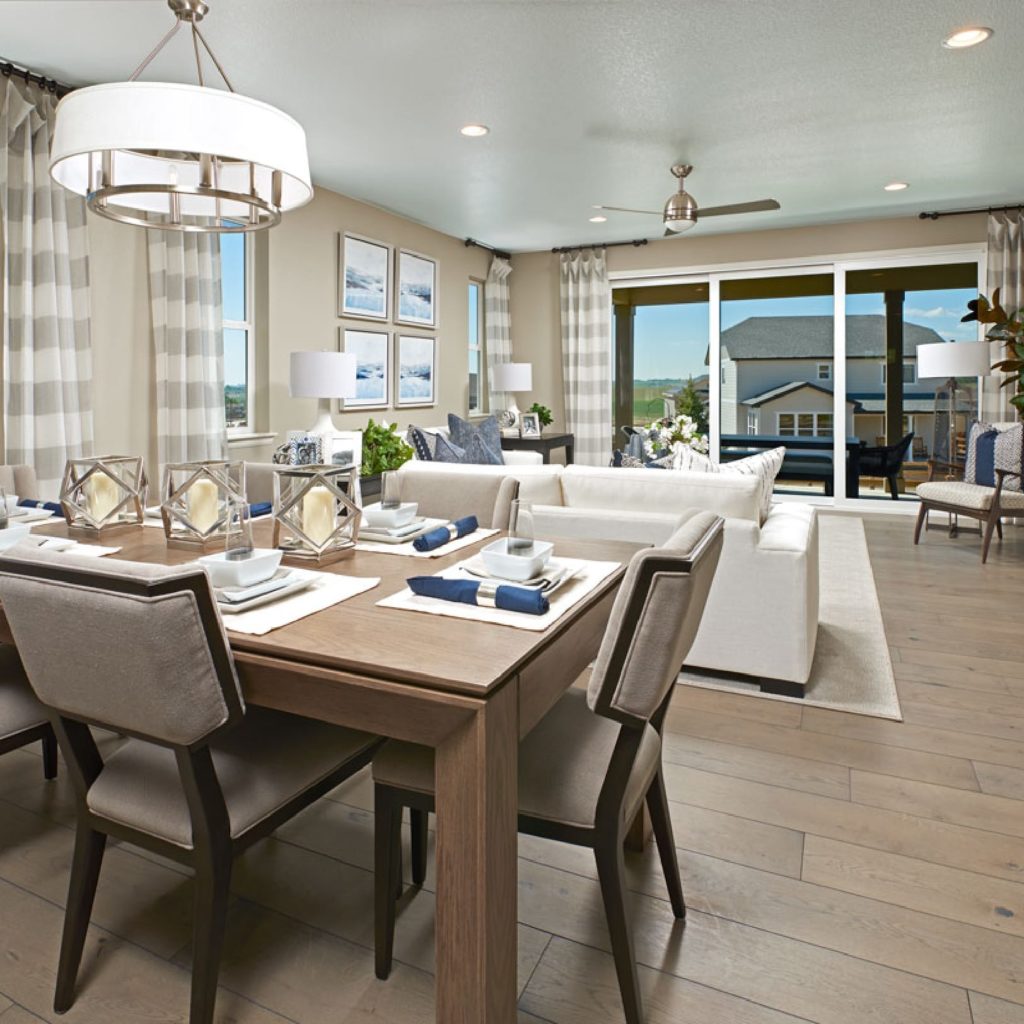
(543,444)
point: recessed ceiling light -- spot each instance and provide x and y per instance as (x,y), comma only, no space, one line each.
(965,37)
(474,131)
(896,186)
(599,219)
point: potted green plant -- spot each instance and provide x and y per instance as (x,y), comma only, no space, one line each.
(1009,330)
(543,414)
(383,449)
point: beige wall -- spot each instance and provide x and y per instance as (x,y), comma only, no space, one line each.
(534,282)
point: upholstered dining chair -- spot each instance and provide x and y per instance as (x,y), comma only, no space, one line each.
(592,761)
(452,495)
(20,480)
(23,719)
(140,649)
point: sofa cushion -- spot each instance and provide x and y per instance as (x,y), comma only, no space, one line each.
(487,431)
(1009,455)
(538,482)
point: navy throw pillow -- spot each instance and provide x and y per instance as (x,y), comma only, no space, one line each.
(421,444)
(985,458)
(487,430)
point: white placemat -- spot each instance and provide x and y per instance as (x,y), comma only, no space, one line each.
(591,575)
(77,548)
(36,517)
(407,549)
(327,590)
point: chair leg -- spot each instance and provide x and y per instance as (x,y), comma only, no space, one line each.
(922,518)
(213,886)
(894,488)
(999,528)
(85,873)
(50,755)
(990,525)
(387,848)
(612,874)
(418,826)
(661,822)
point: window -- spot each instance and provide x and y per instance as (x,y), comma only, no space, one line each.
(805,424)
(475,343)
(909,373)
(824,371)
(239,358)
(751,421)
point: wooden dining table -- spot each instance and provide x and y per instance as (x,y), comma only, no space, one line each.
(469,689)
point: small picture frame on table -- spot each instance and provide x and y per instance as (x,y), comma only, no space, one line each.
(529,424)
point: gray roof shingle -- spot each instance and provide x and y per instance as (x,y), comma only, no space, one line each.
(810,337)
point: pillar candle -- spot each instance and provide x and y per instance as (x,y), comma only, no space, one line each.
(318,514)
(202,504)
(102,495)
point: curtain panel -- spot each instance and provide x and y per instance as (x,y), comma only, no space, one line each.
(47,351)
(1005,272)
(497,325)
(586,306)
(188,341)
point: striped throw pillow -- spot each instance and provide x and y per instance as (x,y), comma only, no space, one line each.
(1010,455)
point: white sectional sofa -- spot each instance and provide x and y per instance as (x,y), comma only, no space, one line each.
(761,618)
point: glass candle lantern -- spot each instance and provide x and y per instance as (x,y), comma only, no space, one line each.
(316,516)
(104,494)
(197,502)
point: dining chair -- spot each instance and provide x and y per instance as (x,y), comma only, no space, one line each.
(20,480)
(592,761)
(140,649)
(23,719)
(443,495)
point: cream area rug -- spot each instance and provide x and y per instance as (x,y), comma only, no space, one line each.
(852,670)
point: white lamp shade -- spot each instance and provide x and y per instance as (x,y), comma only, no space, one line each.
(323,375)
(133,119)
(512,377)
(953,359)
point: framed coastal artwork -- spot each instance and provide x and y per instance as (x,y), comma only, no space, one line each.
(372,350)
(416,289)
(415,371)
(364,277)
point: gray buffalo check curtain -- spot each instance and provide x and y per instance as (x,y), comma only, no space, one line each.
(497,323)
(47,352)
(188,345)
(1005,272)
(586,354)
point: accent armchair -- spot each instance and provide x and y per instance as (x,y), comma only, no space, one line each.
(140,649)
(592,761)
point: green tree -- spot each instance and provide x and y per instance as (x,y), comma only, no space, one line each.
(689,403)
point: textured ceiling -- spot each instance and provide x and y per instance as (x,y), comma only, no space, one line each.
(817,103)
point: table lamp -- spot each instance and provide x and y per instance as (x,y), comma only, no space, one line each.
(510,378)
(323,375)
(948,362)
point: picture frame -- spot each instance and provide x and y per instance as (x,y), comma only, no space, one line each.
(372,350)
(415,370)
(344,447)
(529,424)
(364,277)
(415,289)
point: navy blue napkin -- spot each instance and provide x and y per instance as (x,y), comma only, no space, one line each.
(510,599)
(260,508)
(49,506)
(443,534)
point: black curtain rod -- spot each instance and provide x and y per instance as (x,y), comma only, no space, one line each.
(636,243)
(936,214)
(59,89)
(500,253)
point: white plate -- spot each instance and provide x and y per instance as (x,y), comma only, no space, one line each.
(379,537)
(301,583)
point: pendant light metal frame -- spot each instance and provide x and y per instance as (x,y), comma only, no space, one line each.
(108,147)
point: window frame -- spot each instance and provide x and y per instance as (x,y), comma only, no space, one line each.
(827,375)
(796,415)
(248,326)
(912,364)
(480,348)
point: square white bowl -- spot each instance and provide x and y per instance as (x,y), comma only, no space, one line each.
(519,567)
(242,572)
(389,518)
(13,533)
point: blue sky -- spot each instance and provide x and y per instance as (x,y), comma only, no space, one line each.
(671,341)
(232,263)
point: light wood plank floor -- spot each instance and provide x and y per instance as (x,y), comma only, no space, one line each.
(838,869)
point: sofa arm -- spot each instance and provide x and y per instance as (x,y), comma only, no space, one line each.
(522,458)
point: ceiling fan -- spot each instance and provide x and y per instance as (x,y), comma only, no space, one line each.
(682,213)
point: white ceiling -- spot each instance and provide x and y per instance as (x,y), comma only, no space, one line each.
(816,103)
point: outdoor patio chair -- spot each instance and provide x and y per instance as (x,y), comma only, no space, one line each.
(886,461)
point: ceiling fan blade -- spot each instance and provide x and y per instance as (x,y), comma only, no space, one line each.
(723,211)
(626,209)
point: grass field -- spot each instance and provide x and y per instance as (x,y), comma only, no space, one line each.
(647,402)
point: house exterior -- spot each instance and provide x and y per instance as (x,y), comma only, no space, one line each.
(778,373)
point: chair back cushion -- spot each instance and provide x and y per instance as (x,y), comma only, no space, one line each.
(1009,455)
(980,467)
(138,648)
(19,480)
(448,495)
(654,621)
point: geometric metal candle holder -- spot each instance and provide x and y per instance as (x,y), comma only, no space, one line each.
(197,501)
(103,495)
(316,517)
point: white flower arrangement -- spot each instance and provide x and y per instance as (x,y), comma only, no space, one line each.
(663,435)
